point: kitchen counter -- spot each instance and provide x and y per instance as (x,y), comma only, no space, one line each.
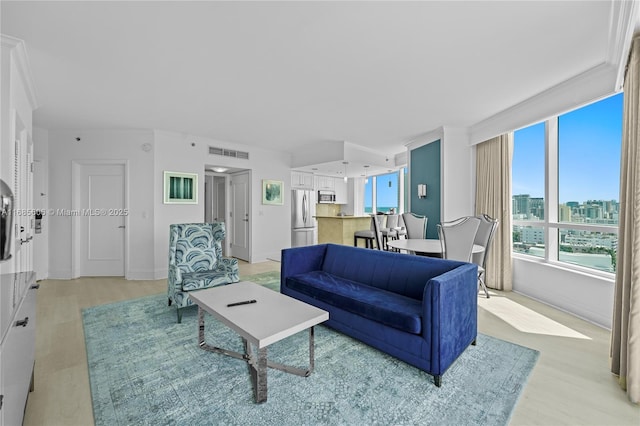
(340,229)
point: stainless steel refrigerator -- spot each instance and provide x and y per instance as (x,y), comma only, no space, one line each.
(303,221)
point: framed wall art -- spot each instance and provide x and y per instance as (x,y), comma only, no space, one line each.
(180,188)
(272,192)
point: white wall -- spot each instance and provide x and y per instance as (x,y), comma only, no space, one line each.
(456,171)
(102,145)
(149,218)
(177,152)
(585,295)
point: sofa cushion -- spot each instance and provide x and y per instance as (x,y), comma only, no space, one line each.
(394,272)
(391,309)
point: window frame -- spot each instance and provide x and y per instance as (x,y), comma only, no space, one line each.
(551,223)
(373,180)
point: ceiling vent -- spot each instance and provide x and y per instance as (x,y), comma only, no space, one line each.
(214,150)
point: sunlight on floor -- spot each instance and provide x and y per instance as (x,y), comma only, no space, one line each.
(525,319)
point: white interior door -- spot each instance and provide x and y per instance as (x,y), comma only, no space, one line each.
(240,194)
(220,195)
(102,217)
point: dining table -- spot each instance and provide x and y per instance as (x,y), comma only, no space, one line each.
(425,246)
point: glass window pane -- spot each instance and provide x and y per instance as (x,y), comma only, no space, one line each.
(528,240)
(406,190)
(528,173)
(589,143)
(595,250)
(368,195)
(387,192)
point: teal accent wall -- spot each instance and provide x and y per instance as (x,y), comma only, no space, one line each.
(425,168)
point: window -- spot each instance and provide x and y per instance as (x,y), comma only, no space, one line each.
(385,192)
(569,213)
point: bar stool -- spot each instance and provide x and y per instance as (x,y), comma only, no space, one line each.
(369,235)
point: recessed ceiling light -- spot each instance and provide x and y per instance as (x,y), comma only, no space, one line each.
(219,169)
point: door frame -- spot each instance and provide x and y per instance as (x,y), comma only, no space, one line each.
(226,248)
(76,166)
(249,173)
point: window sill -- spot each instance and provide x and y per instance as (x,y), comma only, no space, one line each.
(567,267)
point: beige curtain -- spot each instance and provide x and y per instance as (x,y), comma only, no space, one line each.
(625,334)
(493,197)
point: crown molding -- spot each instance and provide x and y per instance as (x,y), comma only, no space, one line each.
(425,138)
(19,53)
(595,83)
(587,87)
(625,17)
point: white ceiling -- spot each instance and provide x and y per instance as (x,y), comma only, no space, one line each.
(287,74)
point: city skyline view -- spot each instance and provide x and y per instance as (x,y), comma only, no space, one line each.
(589,143)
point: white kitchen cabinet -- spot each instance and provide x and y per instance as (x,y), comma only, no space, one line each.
(324,183)
(340,188)
(18,344)
(301,180)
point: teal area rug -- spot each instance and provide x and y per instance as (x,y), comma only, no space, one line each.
(145,369)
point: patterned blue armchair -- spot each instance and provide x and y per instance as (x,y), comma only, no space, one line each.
(196,262)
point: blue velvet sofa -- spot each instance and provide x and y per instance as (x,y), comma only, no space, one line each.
(421,310)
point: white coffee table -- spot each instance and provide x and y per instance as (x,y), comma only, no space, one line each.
(271,318)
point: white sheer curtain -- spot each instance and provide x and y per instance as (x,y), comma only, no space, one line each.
(493,197)
(625,334)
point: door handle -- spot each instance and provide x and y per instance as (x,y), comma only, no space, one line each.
(22,323)
(121,226)
(246,220)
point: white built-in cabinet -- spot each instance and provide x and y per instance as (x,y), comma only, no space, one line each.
(301,180)
(17,280)
(340,188)
(18,348)
(324,183)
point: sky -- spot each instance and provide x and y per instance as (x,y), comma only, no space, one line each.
(387,195)
(589,141)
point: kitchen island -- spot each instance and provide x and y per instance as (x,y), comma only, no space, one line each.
(340,229)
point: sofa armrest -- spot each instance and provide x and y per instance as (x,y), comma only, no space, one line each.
(299,260)
(450,314)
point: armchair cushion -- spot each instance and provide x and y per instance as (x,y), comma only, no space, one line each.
(204,279)
(190,258)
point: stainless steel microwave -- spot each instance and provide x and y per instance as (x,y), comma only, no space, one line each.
(326,197)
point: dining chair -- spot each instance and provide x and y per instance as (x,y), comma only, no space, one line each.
(378,221)
(401,229)
(416,225)
(457,238)
(484,237)
(389,232)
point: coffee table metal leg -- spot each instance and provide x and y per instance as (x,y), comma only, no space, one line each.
(261,376)
(311,355)
(257,364)
(257,370)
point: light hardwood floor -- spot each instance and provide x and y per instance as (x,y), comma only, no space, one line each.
(570,385)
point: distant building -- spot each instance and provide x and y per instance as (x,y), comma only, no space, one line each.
(521,204)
